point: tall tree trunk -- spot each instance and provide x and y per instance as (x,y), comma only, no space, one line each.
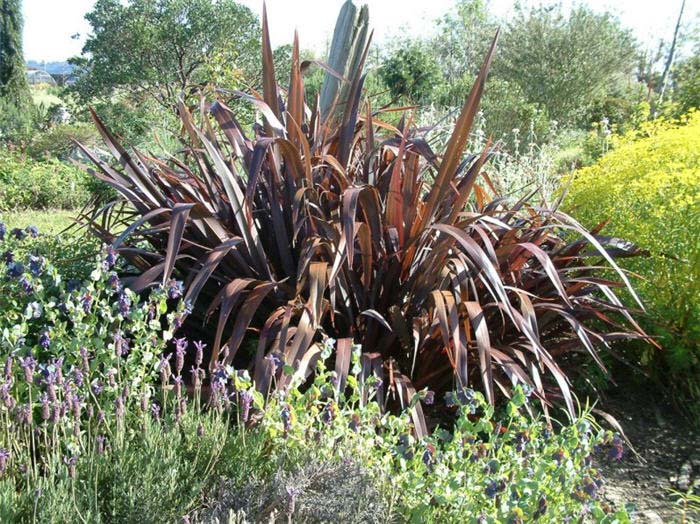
(671,55)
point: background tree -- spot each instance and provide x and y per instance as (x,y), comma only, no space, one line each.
(165,48)
(13,77)
(15,98)
(565,63)
(410,71)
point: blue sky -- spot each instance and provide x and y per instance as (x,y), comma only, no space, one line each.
(49,24)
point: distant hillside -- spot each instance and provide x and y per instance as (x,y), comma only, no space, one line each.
(53,68)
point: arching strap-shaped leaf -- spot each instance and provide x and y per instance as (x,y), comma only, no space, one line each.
(407,392)
(245,315)
(208,266)
(178,221)
(483,342)
(343,356)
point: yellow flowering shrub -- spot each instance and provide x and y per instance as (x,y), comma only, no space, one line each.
(648,186)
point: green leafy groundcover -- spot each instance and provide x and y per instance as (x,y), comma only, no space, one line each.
(26,183)
(648,187)
(99,425)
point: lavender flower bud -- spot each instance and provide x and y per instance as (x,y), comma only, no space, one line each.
(70,462)
(246,401)
(155,411)
(177,381)
(119,408)
(199,356)
(85,363)
(4,459)
(28,365)
(55,413)
(8,368)
(164,368)
(180,349)
(45,411)
(100,444)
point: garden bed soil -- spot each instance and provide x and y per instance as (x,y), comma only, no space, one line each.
(667,446)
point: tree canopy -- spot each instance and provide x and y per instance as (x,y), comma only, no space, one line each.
(13,79)
(163,49)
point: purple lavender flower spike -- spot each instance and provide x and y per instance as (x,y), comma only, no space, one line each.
(33,231)
(4,459)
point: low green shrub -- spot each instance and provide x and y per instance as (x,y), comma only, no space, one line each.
(99,427)
(45,184)
(648,186)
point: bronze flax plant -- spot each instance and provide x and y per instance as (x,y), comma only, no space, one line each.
(347,226)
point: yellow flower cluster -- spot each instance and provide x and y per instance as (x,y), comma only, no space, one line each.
(648,186)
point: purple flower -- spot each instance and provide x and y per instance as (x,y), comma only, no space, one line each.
(113,282)
(494,487)
(24,414)
(121,344)
(8,256)
(429,398)
(33,231)
(4,458)
(616,448)
(119,407)
(97,388)
(164,368)
(45,411)
(8,368)
(35,309)
(180,349)
(3,230)
(124,303)
(428,457)
(199,356)
(286,415)
(72,284)
(15,269)
(36,265)
(328,414)
(100,444)
(18,233)
(177,382)
(70,462)
(590,487)
(174,289)
(78,377)
(26,285)
(155,411)
(28,365)
(111,257)
(45,339)
(246,401)
(86,302)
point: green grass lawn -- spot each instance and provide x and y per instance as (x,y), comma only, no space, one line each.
(49,222)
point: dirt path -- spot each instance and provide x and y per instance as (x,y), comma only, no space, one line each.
(668,448)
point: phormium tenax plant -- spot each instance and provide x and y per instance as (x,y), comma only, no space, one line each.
(325,220)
